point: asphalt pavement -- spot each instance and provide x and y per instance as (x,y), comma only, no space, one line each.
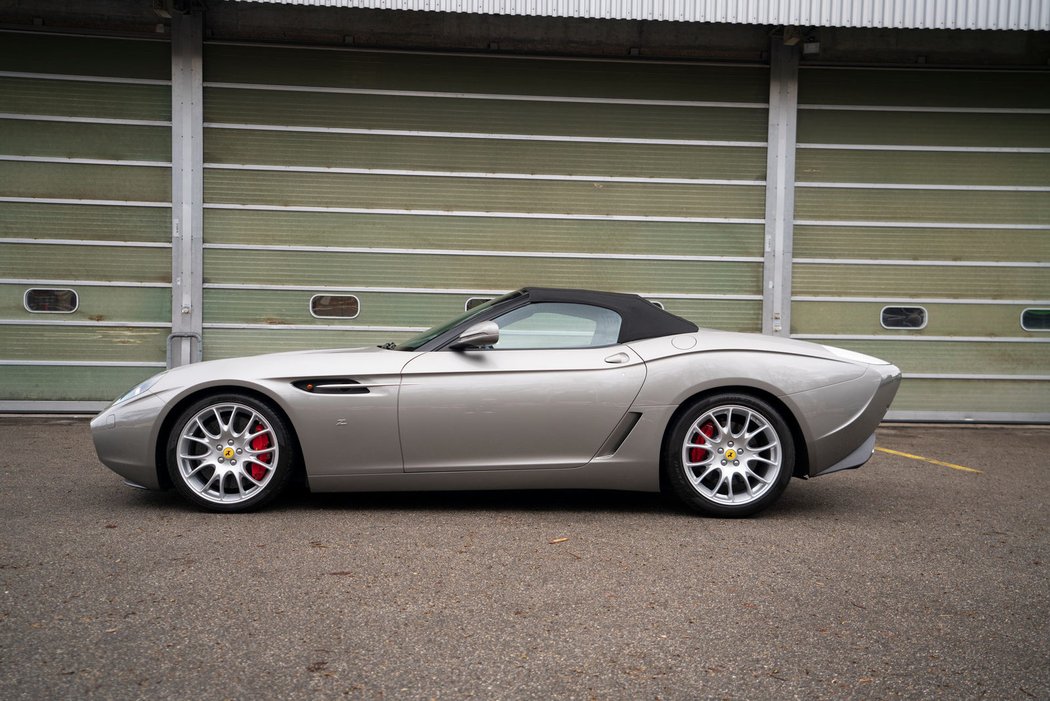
(904,579)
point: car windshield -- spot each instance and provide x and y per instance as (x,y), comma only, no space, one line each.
(430,334)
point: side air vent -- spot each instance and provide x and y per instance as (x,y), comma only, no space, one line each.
(331,385)
(619,434)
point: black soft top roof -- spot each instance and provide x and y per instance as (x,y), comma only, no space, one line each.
(640,318)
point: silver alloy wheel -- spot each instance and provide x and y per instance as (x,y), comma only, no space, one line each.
(227,453)
(732,455)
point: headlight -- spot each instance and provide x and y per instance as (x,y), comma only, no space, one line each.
(854,356)
(138,390)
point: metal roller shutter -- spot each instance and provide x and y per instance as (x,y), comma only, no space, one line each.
(85,188)
(417,181)
(929,189)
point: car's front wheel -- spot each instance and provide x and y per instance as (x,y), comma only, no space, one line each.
(729,455)
(230,452)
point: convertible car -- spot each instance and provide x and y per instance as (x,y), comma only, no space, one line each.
(539,388)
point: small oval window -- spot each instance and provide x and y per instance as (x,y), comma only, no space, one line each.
(903,317)
(335,306)
(475,302)
(655,303)
(50,301)
(1035,320)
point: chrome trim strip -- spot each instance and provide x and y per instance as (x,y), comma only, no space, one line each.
(917,300)
(915,186)
(921,225)
(907,147)
(920,108)
(937,263)
(969,417)
(85,161)
(84,120)
(472,213)
(484,135)
(40,406)
(969,376)
(478,174)
(894,337)
(83,78)
(90,324)
(469,252)
(68,200)
(79,283)
(86,363)
(309,327)
(476,54)
(87,242)
(455,291)
(482,96)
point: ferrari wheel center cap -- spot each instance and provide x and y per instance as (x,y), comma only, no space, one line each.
(228,453)
(730,454)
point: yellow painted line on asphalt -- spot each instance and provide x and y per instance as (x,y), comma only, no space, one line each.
(929,460)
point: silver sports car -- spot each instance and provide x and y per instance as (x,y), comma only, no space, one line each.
(539,388)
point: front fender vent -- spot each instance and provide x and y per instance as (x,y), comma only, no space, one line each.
(331,385)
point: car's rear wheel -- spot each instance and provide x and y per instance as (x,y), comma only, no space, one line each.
(729,455)
(230,452)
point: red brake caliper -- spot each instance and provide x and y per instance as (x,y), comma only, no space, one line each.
(260,442)
(698,454)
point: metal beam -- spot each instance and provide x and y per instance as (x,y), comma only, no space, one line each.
(187,189)
(780,187)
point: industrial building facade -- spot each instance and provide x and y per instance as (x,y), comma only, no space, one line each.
(193,193)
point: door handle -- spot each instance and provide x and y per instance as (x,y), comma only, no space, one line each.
(617,358)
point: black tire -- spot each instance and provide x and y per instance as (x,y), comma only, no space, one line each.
(702,473)
(242,466)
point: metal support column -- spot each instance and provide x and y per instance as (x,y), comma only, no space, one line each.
(780,187)
(187,187)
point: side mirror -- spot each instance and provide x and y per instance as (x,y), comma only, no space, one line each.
(485,333)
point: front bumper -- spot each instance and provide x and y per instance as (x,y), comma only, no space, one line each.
(125,440)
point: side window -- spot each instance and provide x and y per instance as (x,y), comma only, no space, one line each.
(555,325)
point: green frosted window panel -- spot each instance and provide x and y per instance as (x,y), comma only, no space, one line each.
(925,88)
(50,300)
(483,155)
(292,307)
(69,98)
(88,222)
(411,309)
(49,262)
(921,244)
(224,105)
(94,343)
(81,181)
(485,233)
(923,128)
(98,303)
(973,396)
(480,194)
(922,167)
(955,357)
(1035,319)
(227,343)
(78,140)
(481,74)
(943,319)
(918,281)
(923,206)
(397,270)
(82,55)
(68,383)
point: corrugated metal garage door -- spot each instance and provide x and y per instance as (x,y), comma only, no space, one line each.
(415,182)
(929,190)
(84,215)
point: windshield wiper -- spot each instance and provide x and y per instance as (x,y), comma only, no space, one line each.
(389,345)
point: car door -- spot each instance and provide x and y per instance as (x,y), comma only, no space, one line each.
(546,395)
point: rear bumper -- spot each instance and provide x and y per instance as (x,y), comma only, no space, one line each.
(840,438)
